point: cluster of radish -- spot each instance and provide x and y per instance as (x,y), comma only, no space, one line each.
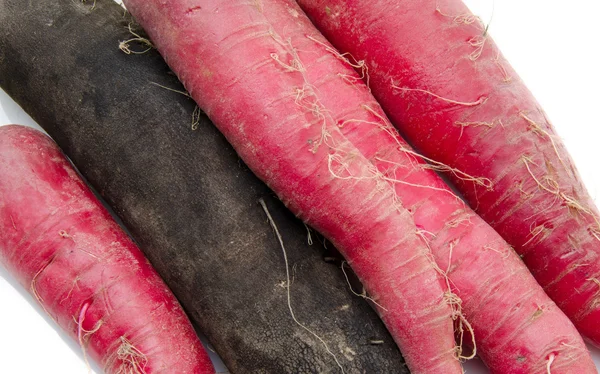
(313,96)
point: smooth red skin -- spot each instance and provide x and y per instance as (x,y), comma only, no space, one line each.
(412,44)
(61,244)
(222,51)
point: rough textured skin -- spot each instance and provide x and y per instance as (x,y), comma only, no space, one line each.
(188,201)
(61,244)
(497,131)
(241,62)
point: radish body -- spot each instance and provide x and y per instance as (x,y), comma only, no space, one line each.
(447,88)
(62,245)
(244,70)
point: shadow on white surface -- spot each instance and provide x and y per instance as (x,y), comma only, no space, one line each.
(11,113)
(27,328)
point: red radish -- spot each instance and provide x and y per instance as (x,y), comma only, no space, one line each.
(446,86)
(506,303)
(60,243)
(518,328)
(506,307)
(239,60)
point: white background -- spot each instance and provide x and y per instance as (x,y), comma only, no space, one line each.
(554,46)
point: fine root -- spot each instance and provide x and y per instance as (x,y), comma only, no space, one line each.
(506,78)
(395,180)
(552,187)
(172,89)
(196,115)
(289,296)
(538,130)
(83,335)
(461,19)
(595,280)
(423,235)
(455,303)
(125,46)
(33,286)
(363,294)
(308,235)
(595,232)
(75,283)
(441,167)
(460,217)
(535,237)
(348,59)
(293,65)
(504,254)
(480,101)
(306,98)
(462,125)
(133,361)
(477,42)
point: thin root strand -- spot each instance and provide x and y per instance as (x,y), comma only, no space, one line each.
(348,59)
(172,89)
(133,361)
(125,46)
(289,296)
(363,294)
(438,166)
(479,101)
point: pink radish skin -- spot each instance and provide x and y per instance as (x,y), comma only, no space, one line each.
(242,68)
(473,113)
(518,329)
(61,244)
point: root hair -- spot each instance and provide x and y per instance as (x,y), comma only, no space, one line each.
(289,296)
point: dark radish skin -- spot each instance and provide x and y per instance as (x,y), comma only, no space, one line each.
(243,69)
(185,197)
(445,85)
(62,245)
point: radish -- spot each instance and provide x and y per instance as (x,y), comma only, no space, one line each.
(61,244)
(505,307)
(445,85)
(244,69)
(185,197)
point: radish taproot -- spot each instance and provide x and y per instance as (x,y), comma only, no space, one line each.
(448,89)
(185,197)
(243,68)
(61,244)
